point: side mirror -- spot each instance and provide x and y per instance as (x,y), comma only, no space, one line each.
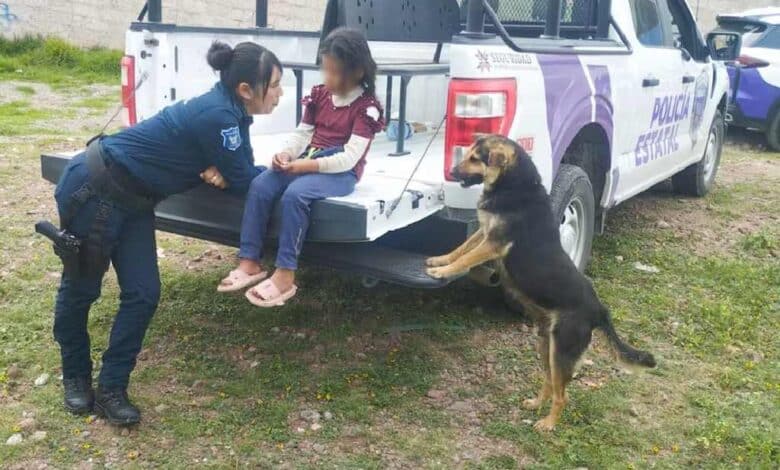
(724,46)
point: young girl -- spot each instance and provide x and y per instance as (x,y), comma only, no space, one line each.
(323,158)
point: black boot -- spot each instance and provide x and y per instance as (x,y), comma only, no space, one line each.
(79,396)
(114,404)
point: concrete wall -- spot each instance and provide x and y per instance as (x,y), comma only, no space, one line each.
(103,22)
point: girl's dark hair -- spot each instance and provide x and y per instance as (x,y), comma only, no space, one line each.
(349,46)
(247,62)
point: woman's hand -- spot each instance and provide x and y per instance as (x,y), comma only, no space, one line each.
(280,160)
(299,167)
(213,177)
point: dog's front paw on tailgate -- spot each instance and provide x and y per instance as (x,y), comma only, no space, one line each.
(546,424)
(438,261)
(438,273)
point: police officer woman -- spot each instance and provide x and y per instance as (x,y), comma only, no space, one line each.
(106,197)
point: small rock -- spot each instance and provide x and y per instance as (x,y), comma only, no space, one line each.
(300,430)
(124,432)
(38,436)
(328,415)
(469,455)
(161,408)
(300,335)
(143,355)
(315,426)
(587,362)
(318,448)
(86,434)
(646,268)
(42,380)
(275,330)
(633,412)
(254,365)
(663,224)
(15,439)
(310,415)
(361,356)
(491,359)
(13,371)
(460,406)
(619,258)
(436,394)
(528,422)
(674,326)
(27,424)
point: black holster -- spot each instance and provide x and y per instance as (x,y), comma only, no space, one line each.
(111,184)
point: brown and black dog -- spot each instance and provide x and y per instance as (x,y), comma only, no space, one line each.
(518,230)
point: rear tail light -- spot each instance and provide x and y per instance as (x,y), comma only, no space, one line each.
(129,117)
(476,107)
(748,62)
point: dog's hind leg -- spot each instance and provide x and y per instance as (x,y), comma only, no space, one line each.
(567,343)
(543,348)
(467,246)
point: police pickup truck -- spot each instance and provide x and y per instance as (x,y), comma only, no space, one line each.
(608,97)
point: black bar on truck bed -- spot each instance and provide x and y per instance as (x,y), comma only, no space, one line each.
(261,13)
(155,10)
(552,28)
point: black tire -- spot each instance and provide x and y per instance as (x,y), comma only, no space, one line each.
(773,133)
(572,187)
(697,180)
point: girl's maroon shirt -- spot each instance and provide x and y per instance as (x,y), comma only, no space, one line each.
(334,125)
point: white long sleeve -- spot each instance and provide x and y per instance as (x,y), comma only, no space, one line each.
(340,162)
(299,140)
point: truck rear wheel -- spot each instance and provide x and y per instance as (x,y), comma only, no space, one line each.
(573,205)
(697,180)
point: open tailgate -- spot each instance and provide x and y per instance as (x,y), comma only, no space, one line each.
(205,212)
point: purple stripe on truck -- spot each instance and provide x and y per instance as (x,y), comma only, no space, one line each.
(569,104)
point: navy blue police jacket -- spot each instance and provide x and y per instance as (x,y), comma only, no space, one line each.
(168,151)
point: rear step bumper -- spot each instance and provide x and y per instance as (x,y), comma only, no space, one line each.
(216,217)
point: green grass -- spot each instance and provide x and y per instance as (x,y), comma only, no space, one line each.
(56,62)
(25,90)
(19,117)
(234,379)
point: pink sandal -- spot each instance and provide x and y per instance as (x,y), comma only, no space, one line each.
(238,279)
(266,294)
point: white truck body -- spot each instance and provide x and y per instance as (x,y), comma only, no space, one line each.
(651,106)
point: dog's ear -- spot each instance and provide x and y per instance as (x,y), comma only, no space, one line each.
(479,138)
(497,157)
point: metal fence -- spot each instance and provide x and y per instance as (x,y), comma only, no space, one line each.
(573,12)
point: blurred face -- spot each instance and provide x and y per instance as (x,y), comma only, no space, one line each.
(334,77)
(253,98)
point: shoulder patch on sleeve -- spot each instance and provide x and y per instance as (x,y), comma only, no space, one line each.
(373,112)
(231,138)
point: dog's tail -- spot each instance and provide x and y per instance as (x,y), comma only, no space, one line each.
(626,352)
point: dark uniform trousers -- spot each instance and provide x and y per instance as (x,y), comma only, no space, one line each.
(129,237)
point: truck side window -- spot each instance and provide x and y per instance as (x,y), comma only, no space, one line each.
(647,21)
(771,40)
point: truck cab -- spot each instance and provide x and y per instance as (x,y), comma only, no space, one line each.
(608,97)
